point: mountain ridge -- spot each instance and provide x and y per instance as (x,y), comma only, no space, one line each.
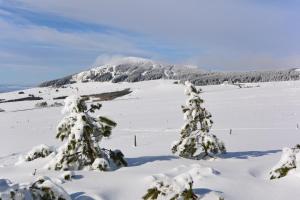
(133,69)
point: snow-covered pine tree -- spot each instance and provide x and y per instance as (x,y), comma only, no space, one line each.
(196,141)
(82,133)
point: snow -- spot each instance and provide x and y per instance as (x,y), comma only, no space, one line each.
(263,121)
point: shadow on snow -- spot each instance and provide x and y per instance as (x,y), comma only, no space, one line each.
(77,177)
(80,196)
(248,154)
(146,159)
(204,191)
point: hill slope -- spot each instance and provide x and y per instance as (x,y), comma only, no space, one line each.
(131,69)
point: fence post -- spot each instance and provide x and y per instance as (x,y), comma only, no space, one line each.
(135,143)
(34,173)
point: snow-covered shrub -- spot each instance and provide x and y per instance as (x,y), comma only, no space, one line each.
(196,140)
(290,159)
(45,188)
(118,157)
(111,160)
(42,104)
(178,188)
(56,104)
(40,151)
(41,189)
(9,191)
(83,133)
(100,164)
(1,110)
(67,175)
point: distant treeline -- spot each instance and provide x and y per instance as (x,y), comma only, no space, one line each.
(214,78)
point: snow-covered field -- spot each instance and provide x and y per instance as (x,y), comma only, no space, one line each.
(263,121)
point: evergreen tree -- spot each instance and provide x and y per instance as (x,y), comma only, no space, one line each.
(83,133)
(196,141)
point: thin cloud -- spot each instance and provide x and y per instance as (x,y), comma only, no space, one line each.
(246,27)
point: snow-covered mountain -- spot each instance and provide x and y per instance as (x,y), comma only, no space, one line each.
(133,69)
(128,69)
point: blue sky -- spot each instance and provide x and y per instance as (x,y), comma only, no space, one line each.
(46,39)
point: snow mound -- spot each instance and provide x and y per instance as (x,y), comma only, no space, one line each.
(199,171)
